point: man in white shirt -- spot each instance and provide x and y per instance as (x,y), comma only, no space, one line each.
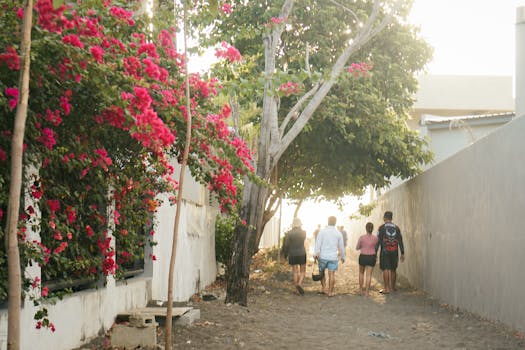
(328,247)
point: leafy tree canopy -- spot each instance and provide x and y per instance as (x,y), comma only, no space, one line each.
(358,136)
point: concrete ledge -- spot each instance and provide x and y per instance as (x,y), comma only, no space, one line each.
(188,318)
(128,337)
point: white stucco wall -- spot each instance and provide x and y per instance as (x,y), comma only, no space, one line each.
(82,315)
(463,228)
(78,317)
(195,266)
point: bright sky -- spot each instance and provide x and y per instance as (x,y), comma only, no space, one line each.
(468,36)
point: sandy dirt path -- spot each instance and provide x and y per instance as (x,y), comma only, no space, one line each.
(276,318)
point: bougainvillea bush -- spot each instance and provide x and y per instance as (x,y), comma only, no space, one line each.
(107,111)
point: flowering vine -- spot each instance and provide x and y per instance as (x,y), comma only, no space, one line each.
(107,112)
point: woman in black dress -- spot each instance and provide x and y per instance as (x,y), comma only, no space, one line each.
(295,251)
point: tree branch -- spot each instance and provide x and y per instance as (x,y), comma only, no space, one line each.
(293,112)
(363,36)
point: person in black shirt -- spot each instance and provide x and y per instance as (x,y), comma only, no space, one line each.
(390,241)
(295,251)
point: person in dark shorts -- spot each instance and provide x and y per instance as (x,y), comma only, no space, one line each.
(295,250)
(367,259)
(390,241)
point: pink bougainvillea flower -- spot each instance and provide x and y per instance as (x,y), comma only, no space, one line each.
(53,204)
(19,12)
(72,39)
(13,93)
(71,214)
(359,69)
(53,117)
(47,138)
(228,52)
(120,13)
(289,88)
(97,52)
(65,105)
(152,70)
(89,231)
(274,21)
(45,292)
(149,49)
(11,58)
(36,282)
(226,8)
(116,217)
(60,248)
(277,20)
(35,192)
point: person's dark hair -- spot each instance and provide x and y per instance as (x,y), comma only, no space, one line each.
(388,215)
(332,220)
(369,227)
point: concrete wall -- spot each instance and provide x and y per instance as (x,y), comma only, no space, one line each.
(463,229)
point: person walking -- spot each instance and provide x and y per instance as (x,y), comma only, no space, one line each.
(345,235)
(295,251)
(328,248)
(367,258)
(390,241)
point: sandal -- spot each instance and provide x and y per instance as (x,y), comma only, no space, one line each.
(299,289)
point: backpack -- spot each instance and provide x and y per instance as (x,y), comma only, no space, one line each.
(390,238)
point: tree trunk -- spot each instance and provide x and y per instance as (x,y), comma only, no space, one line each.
(169,306)
(296,212)
(15,187)
(244,242)
(275,139)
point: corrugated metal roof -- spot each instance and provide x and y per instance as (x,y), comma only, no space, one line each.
(428,119)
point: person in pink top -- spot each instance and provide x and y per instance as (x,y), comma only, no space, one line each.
(367,259)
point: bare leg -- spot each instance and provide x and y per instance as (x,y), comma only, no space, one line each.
(331,282)
(368,270)
(361,278)
(323,283)
(295,269)
(394,277)
(386,280)
(302,273)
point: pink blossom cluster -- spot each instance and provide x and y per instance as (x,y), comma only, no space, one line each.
(10,58)
(226,8)
(228,52)
(275,21)
(108,264)
(359,69)
(289,88)
(12,93)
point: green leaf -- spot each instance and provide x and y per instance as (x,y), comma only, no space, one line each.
(58,3)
